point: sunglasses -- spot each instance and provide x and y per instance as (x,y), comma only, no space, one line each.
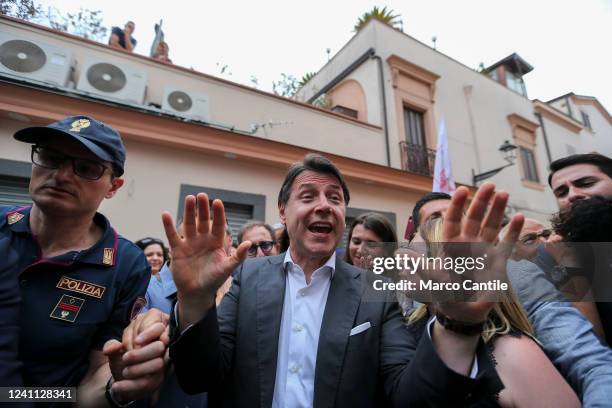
(266,247)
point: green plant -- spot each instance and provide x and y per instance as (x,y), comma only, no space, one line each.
(381,14)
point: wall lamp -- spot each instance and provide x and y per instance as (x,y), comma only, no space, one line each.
(508,152)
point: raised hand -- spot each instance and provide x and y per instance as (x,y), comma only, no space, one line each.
(481,227)
(199,263)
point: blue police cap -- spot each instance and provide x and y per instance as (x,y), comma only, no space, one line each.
(99,138)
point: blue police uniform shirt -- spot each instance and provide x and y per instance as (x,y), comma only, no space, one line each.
(161,292)
(10,367)
(72,303)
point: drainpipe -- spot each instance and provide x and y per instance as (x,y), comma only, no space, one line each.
(369,54)
(539,116)
(381,77)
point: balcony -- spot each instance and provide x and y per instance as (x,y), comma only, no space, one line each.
(417,158)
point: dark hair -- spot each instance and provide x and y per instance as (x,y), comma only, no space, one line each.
(424,200)
(602,162)
(316,163)
(145,242)
(375,222)
(252,224)
(283,241)
(588,220)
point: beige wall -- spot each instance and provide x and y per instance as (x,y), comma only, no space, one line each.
(9,147)
(150,189)
(561,140)
(598,139)
(349,94)
(567,106)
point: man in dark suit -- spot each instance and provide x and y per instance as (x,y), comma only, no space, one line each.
(306,329)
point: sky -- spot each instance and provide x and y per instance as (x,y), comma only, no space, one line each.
(567,42)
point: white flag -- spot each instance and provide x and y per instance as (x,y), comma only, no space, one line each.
(443,176)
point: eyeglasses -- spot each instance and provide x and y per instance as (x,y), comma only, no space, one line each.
(52,159)
(532,238)
(266,247)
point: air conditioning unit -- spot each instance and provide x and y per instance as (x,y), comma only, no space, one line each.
(190,105)
(34,60)
(117,81)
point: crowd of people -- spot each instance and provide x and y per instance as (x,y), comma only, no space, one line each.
(278,316)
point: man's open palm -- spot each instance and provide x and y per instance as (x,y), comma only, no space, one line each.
(199,263)
(480,225)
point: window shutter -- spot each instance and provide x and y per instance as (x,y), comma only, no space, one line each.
(14,191)
(237,215)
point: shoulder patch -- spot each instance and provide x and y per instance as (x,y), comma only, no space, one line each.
(108,257)
(139,303)
(14,217)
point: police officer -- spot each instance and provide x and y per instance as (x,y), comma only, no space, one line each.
(10,368)
(81,283)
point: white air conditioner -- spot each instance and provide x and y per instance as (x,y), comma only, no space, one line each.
(34,60)
(190,105)
(112,80)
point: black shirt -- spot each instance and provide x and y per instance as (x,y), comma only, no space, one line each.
(119,32)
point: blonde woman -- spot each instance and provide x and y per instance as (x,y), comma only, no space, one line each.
(528,376)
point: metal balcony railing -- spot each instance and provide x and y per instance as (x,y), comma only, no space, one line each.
(417,158)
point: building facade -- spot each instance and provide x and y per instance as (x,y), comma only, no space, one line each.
(394,81)
(184,132)
(187,132)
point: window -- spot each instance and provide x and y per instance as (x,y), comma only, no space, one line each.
(14,191)
(515,83)
(524,136)
(586,120)
(14,182)
(493,75)
(416,157)
(237,215)
(345,111)
(414,90)
(529,165)
(413,125)
(239,207)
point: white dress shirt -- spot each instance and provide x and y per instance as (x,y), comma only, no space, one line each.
(303,310)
